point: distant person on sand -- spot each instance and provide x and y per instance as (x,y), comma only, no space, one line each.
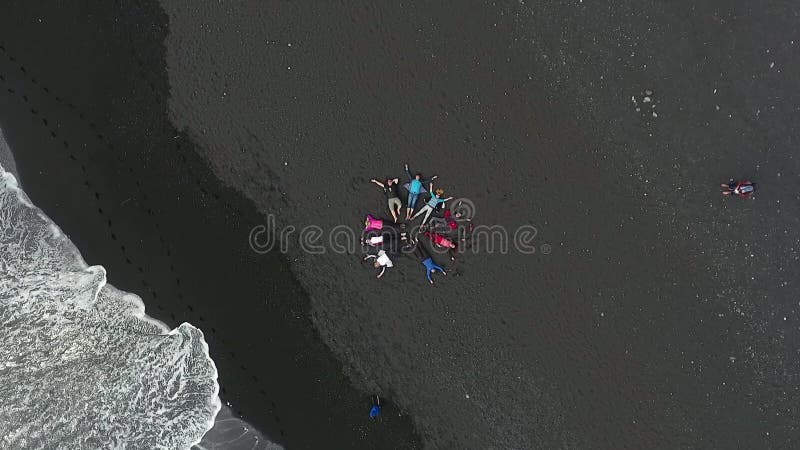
(375,411)
(744,188)
(382,261)
(436,198)
(415,186)
(426,260)
(392,196)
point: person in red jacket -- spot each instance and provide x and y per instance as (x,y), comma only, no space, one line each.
(744,188)
(454,225)
(442,242)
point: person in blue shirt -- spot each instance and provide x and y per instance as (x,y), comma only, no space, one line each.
(415,186)
(427,261)
(436,198)
(375,411)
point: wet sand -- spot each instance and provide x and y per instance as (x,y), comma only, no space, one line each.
(86,120)
(664,316)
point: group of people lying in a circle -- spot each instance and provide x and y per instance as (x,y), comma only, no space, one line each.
(389,239)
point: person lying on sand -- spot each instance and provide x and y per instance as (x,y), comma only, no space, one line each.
(744,188)
(382,261)
(386,239)
(451,222)
(425,258)
(375,411)
(415,186)
(436,198)
(392,196)
(372,223)
(442,242)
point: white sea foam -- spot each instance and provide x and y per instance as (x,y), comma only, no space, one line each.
(232,433)
(81,364)
(6,157)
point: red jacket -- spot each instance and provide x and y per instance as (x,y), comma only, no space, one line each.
(738,189)
(438,239)
(448,216)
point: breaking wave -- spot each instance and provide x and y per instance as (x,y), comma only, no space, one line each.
(81,364)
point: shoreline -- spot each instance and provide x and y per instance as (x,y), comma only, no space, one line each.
(7,158)
(100,306)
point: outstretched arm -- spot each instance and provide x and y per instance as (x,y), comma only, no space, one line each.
(369,256)
(376,182)
(443,200)
(382,270)
(408,173)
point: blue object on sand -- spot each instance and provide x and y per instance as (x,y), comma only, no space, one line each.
(375,411)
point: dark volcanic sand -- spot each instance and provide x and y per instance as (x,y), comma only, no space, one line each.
(665,316)
(86,119)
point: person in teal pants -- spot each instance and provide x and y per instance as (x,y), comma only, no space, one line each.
(436,198)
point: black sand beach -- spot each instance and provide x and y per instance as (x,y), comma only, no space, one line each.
(664,316)
(97,154)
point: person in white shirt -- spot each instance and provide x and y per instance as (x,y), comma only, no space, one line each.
(386,240)
(382,261)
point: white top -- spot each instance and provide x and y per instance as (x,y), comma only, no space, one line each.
(383,259)
(375,240)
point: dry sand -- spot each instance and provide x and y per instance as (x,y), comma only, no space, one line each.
(596,124)
(665,315)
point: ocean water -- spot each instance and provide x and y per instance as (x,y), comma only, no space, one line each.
(81,364)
